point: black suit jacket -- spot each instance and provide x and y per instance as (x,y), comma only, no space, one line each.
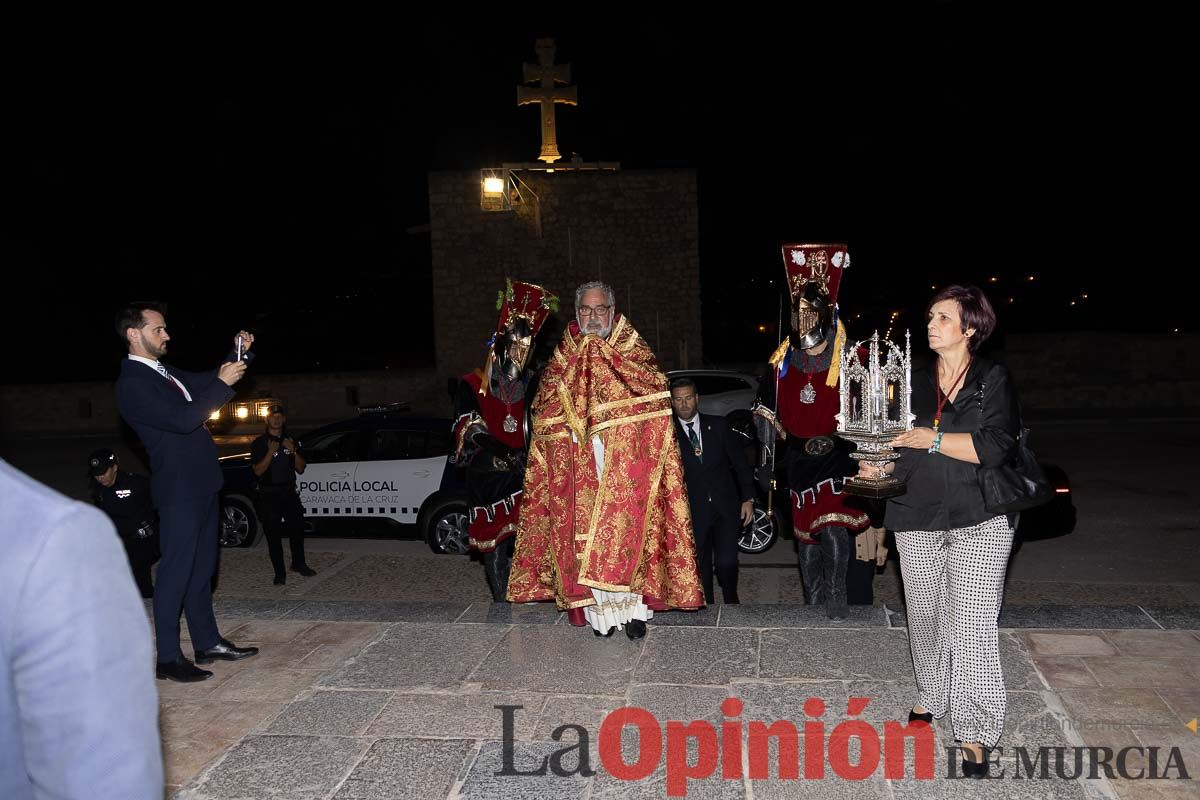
(723,481)
(183,457)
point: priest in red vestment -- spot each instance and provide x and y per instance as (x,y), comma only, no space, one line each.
(605,527)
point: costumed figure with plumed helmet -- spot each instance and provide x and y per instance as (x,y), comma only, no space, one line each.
(491,427)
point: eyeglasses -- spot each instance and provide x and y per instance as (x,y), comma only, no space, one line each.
(594,311)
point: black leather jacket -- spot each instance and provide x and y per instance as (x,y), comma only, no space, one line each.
(943,493)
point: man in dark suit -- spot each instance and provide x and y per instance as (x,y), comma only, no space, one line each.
(167,409)
(720,488)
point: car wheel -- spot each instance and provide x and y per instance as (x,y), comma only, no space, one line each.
(239,523)
(446,528)
(760,534)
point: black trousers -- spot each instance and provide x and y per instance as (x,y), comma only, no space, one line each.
(282,515)
(860,580)
(716,536)
(142,553)
(823,568)
(188,532)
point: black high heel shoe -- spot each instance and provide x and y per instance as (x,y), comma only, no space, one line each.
(926,717)
(975,769)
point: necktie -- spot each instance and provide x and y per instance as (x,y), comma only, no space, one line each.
(694,439)
(163,371)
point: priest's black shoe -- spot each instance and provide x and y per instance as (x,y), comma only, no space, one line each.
(304,570)
(182,670)
(635,629)
(224,650)
(611,631)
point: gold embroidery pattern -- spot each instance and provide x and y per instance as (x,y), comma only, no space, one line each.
(848,520)
(628,529)
(490,544)
(603,407)
(612,423)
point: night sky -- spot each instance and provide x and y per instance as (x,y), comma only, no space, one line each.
(275,177)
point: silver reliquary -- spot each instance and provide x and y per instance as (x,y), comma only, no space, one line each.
(876,407)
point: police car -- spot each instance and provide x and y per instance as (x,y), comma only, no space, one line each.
(383,465)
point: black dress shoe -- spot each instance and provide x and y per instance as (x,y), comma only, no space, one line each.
(974,769)
(280,580)
(635,629)
(182,670)
(305,570)
(224,650)
(926,717)
(611,631)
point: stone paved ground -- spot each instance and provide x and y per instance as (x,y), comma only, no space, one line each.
(380,677)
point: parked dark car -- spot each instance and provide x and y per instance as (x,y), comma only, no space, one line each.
(383,465)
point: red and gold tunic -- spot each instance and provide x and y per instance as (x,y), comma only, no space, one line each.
(627,529)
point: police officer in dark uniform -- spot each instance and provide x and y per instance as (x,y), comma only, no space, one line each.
(276,461)
(125,498)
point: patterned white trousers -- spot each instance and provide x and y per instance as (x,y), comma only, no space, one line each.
(953,587)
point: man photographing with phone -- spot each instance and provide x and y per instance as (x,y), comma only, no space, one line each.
(167,409)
